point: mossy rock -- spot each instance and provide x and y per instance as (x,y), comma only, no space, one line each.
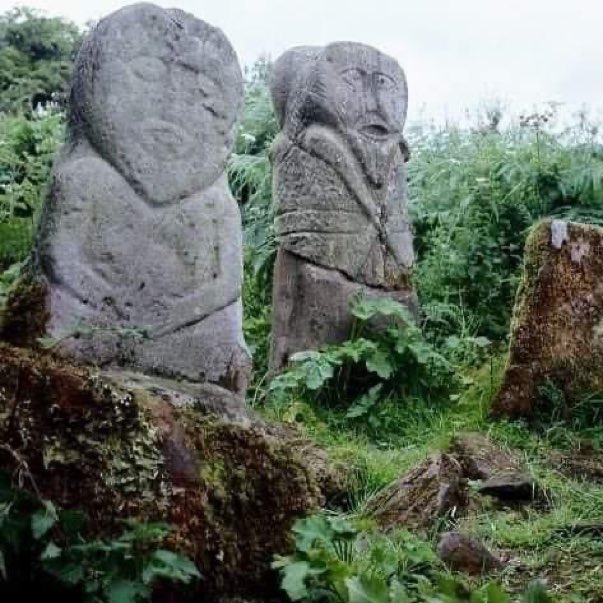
(116,446)
(556,346)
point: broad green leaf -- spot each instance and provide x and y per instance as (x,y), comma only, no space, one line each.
(309,530)
(362,405)
(364,589)
(294,580)
(380,364)
(42,521)
(170,565)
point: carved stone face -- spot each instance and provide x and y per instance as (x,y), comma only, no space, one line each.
(350,87)
(365,88)
(163,100)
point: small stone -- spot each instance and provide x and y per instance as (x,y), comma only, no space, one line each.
(467,554)
(482,459)
(510,486)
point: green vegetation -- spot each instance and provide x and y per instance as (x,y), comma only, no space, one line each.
(387,398)
(36,55)
(337,560)
(42,550)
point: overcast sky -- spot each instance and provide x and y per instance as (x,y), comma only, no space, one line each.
(456,53)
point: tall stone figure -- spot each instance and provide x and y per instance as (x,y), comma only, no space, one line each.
(140,238)
(339,189)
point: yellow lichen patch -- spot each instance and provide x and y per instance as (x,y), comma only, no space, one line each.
(556,320)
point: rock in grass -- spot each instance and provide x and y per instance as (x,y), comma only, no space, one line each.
(556,350)
(481,458)
(462,553)
(430,492)
(120,445)
(510,486)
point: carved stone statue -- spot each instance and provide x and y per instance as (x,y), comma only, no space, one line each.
(140,238)
(339,189)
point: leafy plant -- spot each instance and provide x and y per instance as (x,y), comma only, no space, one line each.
(336,561)
(386,356)
(42,547)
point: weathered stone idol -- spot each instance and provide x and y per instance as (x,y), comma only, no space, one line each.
(140,238)
(340,191)
(556,349)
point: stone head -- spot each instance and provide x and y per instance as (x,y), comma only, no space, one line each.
(346,85)
(158,95)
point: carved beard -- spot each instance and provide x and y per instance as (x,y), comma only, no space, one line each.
(377,158)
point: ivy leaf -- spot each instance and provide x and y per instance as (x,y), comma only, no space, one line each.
(380,364)
(362,589)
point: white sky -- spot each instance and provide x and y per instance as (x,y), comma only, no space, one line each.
(456,53)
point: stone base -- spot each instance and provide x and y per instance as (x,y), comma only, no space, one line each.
(311,306)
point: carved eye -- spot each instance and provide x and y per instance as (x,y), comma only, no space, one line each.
(384,82)
(352,77)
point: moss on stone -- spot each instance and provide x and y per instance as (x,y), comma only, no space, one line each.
(232,490)
(25,316)
(557,325)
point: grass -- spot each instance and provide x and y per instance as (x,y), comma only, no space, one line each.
(539,540)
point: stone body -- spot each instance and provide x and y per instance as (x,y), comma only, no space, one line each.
(556,348)
(140,237)
(339,189)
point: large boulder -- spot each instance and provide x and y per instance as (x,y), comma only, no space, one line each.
(340,191)
(556,348)
(138,257)
(119,445)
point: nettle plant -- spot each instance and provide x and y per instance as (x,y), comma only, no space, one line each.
(386,357)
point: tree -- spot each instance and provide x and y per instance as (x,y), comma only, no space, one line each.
(36,58)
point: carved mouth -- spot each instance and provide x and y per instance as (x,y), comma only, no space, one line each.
(375,130)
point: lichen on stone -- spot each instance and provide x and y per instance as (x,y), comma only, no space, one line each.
(556,320)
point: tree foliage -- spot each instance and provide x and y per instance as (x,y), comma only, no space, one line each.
(36,57)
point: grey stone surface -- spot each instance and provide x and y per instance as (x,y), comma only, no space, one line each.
(339,188)
(312,305)
(140,230)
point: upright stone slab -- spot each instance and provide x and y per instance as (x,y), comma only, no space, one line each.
(140,233)
(556,347)
(340,191)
